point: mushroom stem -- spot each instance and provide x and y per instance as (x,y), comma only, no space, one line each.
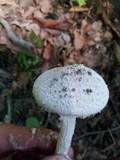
(65,136)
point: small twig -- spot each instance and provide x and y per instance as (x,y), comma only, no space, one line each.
(11,35)
(94,133)
(113,139)
(78,9)
(89,11)
(109,23)
(48,118)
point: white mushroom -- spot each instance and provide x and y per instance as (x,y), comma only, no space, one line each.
(71,91)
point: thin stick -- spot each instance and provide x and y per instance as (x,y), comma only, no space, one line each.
(16,40)
(95,132)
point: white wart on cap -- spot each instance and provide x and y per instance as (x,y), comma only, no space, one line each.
(71,91)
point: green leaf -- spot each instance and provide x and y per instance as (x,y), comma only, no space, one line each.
(38,41)
(32,122)
(81,2)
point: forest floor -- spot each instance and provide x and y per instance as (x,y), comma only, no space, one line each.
(35,37)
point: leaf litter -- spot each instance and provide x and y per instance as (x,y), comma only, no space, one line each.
(59,36)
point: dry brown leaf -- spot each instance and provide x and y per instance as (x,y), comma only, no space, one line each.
(45,67)
(63,39)
(85,26)
(45,6)
(80,41)
(74,57)
(8,2)
(53,41)
(94,56)
(38,14)
(30,11)
(48,51)
(96,36)
(28,26)
(33,27)
(64,26)
(25,3)
(23,80)
(108,35)
(48,23)
(97,25)
(53,32)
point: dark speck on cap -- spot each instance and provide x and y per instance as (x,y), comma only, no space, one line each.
(88,91)
(64,89)
(73,89)
(89,73)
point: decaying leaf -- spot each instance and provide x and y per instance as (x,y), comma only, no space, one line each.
(45,6)
(22,80)
(38,41)
(48,22)
(80,40)
(25,3)
(30,11)
(97,26)
(74,57)
(93,56)
(48,51)
(85,26)
(8,2)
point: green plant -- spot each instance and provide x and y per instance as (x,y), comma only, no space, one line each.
(36,40)
(81,2)
(28,62)
(33,122)
(8,116)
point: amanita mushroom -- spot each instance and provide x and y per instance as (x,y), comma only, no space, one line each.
(71,91)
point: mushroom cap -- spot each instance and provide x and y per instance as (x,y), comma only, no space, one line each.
(74,90)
